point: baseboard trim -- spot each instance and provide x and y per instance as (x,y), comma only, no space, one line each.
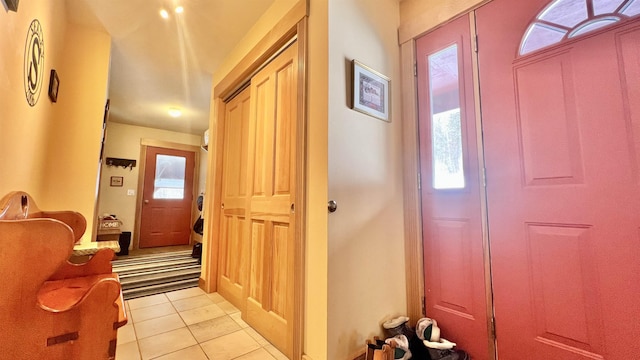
(306,357)
(359,355)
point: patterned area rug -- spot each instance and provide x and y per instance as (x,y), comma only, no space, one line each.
(157,273)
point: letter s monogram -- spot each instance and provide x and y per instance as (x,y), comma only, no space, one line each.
(33,68)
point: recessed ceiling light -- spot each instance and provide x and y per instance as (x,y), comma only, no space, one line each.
(175,112)
(164,13)
(179,10)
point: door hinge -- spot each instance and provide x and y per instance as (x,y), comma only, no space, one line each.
(493,328)
(419,182)
(475,43)
(484,176)
(415,69)
(424,306)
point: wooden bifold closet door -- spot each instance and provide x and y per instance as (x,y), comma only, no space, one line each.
(256,269)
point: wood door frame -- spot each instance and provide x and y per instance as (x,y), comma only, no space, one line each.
(414,267)
(293,24)
(144,144)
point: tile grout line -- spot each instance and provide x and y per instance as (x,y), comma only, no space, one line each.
(171,302)
(188,328)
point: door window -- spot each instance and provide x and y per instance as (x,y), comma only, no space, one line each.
(169,179)
(565,19)
(446,128)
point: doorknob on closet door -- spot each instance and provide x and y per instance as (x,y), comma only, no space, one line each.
(333,206)
(146,201)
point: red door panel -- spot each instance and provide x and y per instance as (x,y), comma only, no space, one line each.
(167,197)
(452,226)
(560,129)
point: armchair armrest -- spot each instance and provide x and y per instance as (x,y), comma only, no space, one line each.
(100,263)
(66,294)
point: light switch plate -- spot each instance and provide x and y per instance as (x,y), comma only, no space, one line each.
(131,192)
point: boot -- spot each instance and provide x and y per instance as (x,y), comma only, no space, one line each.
(400,345)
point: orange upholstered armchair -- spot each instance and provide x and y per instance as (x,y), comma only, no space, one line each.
(50,308)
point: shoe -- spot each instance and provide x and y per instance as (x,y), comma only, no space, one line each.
(448,354)
(397,326)
(400,344)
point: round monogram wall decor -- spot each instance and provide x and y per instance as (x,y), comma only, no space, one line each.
(33,62)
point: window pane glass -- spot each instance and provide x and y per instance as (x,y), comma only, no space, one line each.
(446,127)
(593,25)
(570,16)
(632,9)
(605,6)
(567,13)
(169,180)
(539,36)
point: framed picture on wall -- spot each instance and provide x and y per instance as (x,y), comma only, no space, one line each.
(54,85)
(117,181)
(371,91)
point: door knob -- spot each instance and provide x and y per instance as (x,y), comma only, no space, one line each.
(333,206)
(146,201)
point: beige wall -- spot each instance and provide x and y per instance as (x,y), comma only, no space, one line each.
(366,236)
(123,141)
(51,150)
(72,174)
(420,16)
(266,22)
(24,129)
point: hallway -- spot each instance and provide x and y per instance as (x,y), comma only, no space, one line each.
(189,324)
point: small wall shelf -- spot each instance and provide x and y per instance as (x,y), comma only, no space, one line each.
(125,163)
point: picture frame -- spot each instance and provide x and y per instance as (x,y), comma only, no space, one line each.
(371,92)
(54,85)
(117,181)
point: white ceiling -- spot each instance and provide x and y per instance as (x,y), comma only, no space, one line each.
(157,64)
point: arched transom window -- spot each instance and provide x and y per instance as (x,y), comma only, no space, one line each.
(566,19)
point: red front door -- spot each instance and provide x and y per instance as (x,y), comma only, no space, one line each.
(451,187)
(167,197)
(561,127)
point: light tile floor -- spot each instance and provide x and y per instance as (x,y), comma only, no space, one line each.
(189,324)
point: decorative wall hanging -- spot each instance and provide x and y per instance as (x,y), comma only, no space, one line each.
(33,62)
(54,84)
(104,129)
(12,4)
(117,181)
(371,92)
(125,163)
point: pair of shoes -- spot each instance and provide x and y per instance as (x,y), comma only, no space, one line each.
(448,354)
(396,348)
